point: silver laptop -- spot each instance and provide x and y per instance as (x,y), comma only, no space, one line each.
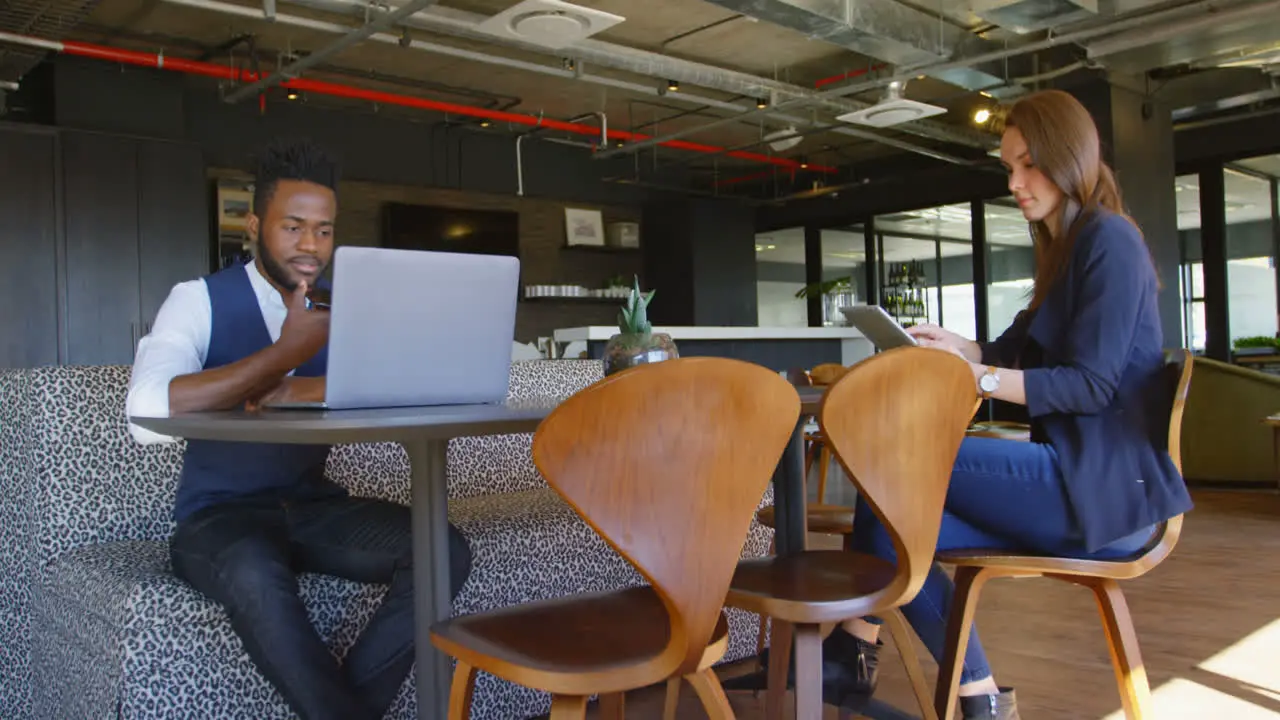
(413,328)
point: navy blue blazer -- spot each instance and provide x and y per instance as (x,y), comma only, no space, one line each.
(1092,356)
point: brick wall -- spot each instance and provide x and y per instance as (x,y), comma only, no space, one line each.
(543,258)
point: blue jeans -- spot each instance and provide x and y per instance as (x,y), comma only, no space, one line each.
(246,555)
(1004,495)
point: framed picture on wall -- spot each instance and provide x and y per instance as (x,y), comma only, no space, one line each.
(583,227)
(234,206)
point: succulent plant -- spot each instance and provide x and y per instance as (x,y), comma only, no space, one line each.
(634,317)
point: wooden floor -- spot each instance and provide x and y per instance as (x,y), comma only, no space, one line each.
(1208,620)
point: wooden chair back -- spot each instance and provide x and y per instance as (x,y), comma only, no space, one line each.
(895,422)
(668,462)
(1176,378)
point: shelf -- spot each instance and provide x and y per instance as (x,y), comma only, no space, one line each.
(584,299)
(601,249)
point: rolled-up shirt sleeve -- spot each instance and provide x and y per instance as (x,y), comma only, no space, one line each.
(177,345)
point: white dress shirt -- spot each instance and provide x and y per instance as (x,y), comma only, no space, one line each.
(179,343)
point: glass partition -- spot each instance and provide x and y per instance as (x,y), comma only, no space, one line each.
(929,253)
(1010,264)
(1251,276)
(779,276)
(1191,272)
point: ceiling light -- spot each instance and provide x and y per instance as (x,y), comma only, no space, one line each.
(982,116)
(761,103)
(484,123)
(673,85)
(292,95)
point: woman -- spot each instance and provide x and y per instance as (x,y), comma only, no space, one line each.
(1084,358)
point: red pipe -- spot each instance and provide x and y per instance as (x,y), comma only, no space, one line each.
(846,76)
(222,72)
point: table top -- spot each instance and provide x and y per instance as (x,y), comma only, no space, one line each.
(327,427)
(1273,420)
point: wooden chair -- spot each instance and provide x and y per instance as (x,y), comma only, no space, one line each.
(975,567)
(895,423)
(667,462)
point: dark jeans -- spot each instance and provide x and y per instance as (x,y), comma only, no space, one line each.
(1004,495)
(246,555)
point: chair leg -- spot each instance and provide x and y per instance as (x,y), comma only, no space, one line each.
(969,582)
(672,700)
(824,464)
(911,661)
(808,672)
(712,695)
(779,662)
(460,690)
(569,707)
(1122,640)
(613,706)
(764,619)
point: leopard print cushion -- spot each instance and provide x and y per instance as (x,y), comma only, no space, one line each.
(476,465)
(15,591)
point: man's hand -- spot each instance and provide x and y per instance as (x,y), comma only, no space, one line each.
(305,331)
(930,335)
(290,389)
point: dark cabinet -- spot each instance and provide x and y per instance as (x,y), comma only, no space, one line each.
(100,201)
(28,248)
(95,229)
(136,224)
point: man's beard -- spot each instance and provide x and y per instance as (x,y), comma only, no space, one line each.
(275,271)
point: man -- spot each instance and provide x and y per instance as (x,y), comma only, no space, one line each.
(251,516)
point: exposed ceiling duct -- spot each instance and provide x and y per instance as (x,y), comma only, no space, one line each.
(1024,16)
(883,29)
(597,53)
(577,73)
(46,18)
(1232,33)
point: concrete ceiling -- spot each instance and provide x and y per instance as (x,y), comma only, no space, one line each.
(623,71)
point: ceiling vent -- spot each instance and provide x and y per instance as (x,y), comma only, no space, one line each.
(548,23)
(892,110)
(783,140)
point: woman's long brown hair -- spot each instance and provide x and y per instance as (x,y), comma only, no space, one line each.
(1062,141)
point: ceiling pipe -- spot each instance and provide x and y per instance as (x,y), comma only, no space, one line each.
(848,75)
(1110,27)
(296,67)
(560,72)
(223,72)
(460,23)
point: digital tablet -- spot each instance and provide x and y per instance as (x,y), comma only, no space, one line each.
(878,326)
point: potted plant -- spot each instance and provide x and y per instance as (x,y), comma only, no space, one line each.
(636,343)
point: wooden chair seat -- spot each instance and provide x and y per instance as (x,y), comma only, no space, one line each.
(1121,568)
(812,587)
(824,519)
(573,645)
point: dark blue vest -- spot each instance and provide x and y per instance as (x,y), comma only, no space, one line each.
(215,471)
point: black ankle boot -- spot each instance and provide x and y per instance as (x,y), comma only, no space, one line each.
(860,661)
(850,671)
(990,707)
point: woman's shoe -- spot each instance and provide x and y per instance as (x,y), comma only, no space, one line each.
(990,707)
(861,663)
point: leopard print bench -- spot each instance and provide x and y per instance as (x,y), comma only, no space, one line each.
(113,633)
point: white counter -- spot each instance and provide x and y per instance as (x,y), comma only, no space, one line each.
(604,332)
(853,345)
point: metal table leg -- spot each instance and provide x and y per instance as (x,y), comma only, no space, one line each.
(788,496)
(431,591)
